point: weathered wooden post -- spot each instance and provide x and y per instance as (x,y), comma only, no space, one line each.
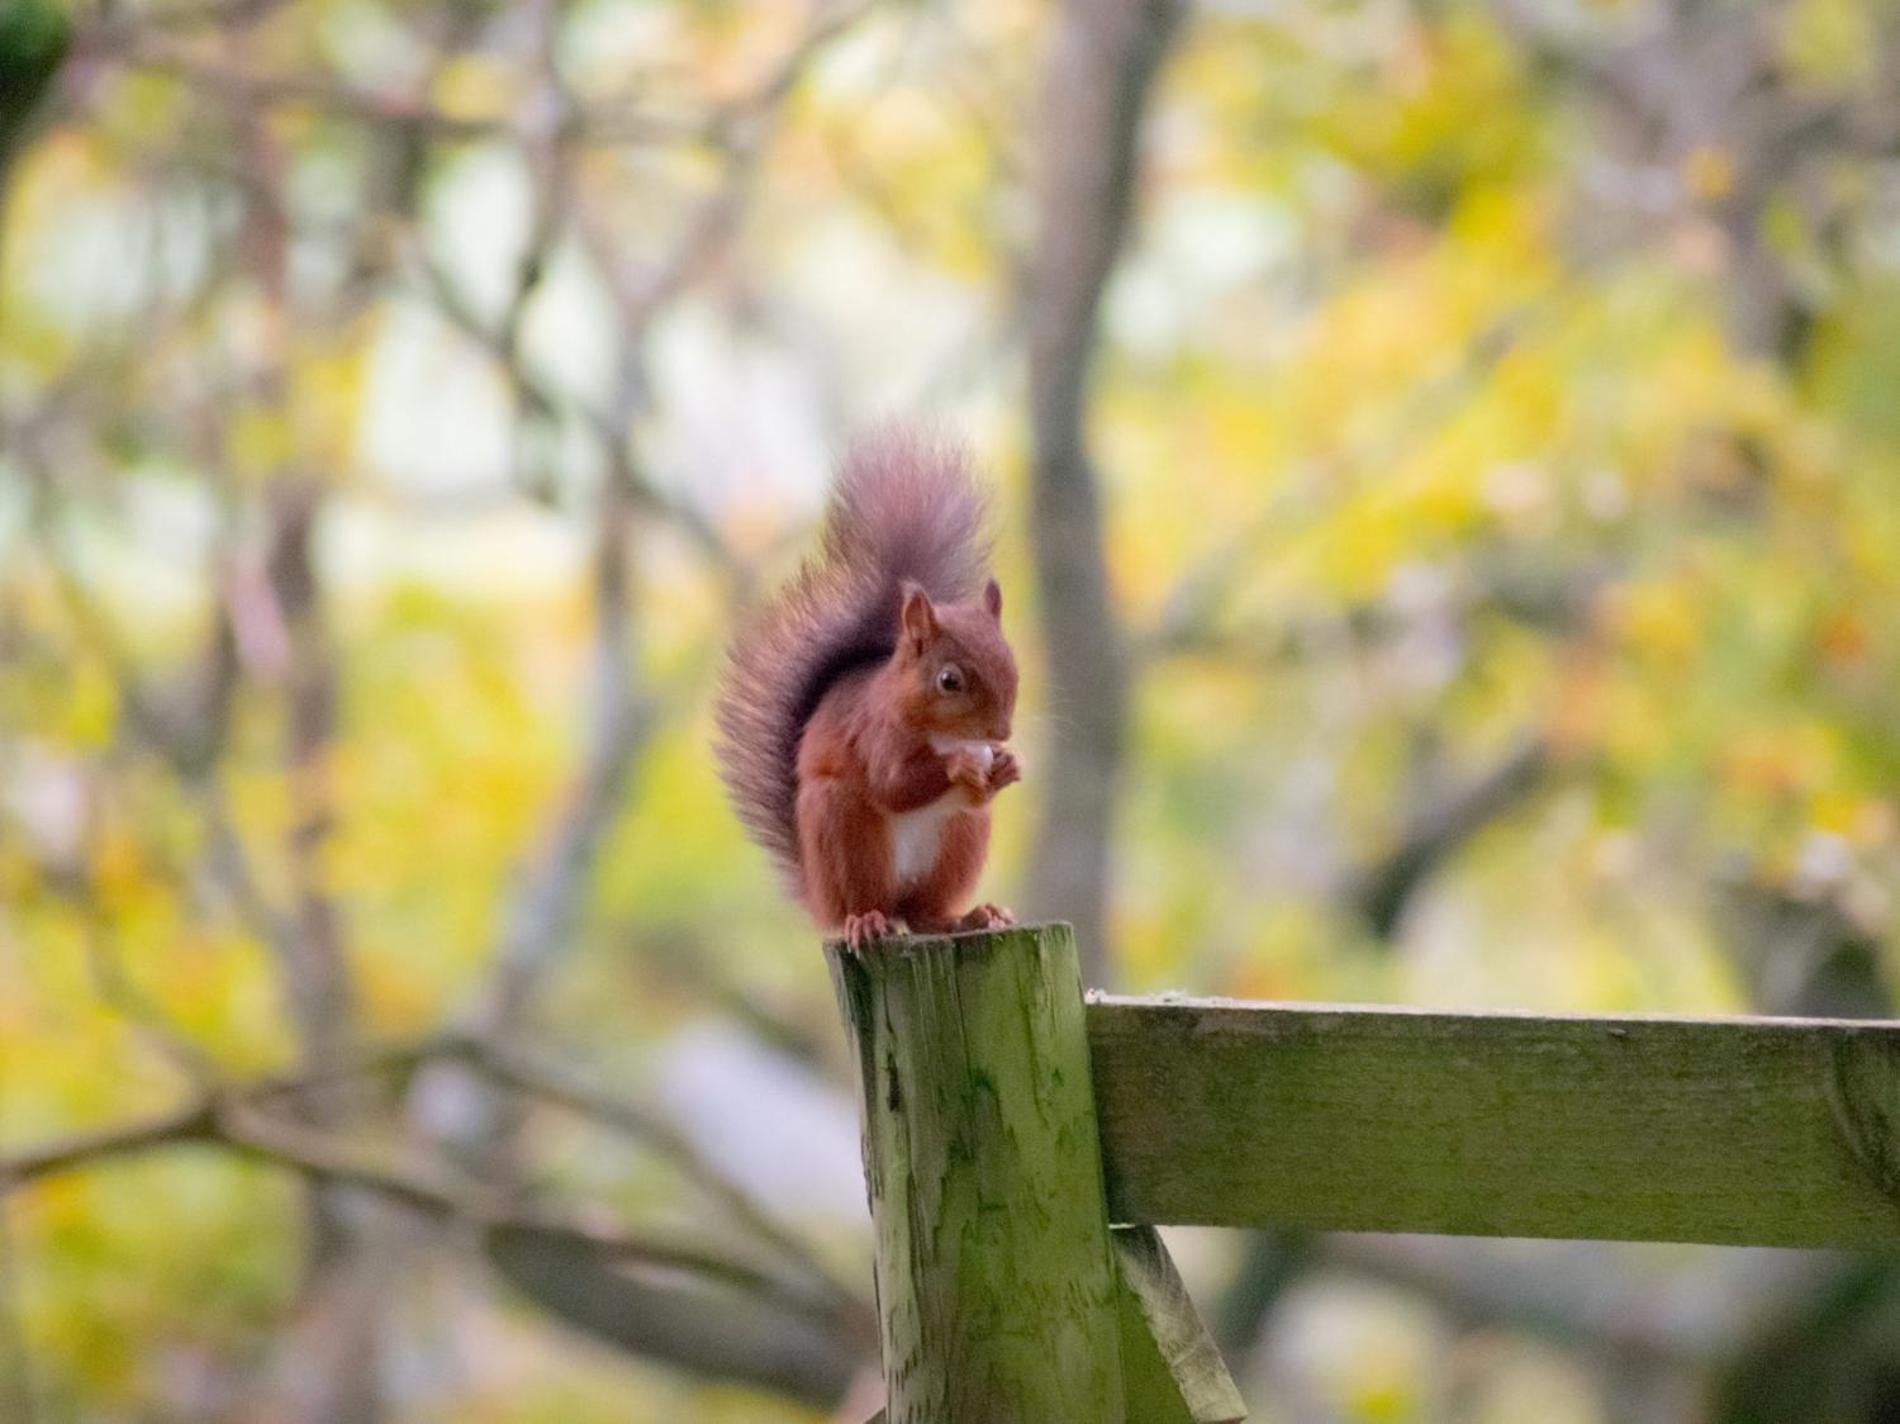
(997,1288)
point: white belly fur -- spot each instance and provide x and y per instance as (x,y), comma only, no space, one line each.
(917,835)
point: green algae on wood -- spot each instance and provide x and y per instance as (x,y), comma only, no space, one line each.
(998,1293)
(1762,1132)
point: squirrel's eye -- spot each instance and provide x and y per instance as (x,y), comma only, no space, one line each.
(950,679)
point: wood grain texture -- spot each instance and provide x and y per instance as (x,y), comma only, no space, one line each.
(997,1291)
(1769,1132)
(1171,1367)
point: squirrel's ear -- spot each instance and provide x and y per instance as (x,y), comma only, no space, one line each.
(993,599)
(919,616)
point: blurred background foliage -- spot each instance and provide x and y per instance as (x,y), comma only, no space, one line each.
(1493,418)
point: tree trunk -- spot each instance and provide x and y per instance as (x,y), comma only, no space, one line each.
(1101,64)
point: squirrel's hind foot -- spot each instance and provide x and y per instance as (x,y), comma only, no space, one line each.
(983,917)
(987,917)
(868,928)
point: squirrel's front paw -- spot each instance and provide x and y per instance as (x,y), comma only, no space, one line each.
(971,772)
(1005,770)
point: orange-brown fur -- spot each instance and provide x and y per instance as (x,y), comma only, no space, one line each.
(864,710)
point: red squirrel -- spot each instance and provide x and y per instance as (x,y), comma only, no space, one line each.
(864,709)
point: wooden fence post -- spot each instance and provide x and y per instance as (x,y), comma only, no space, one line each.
(997,1289)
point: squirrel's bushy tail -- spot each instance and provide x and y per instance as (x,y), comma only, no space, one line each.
(904,507)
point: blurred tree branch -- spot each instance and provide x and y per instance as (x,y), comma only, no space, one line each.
(723,1335)
(230,1121)
(1436,830)
(250,1117)
(1695,81)
(679,957)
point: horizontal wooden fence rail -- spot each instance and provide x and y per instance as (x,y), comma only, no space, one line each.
(1022,1142)
(1765,1132)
